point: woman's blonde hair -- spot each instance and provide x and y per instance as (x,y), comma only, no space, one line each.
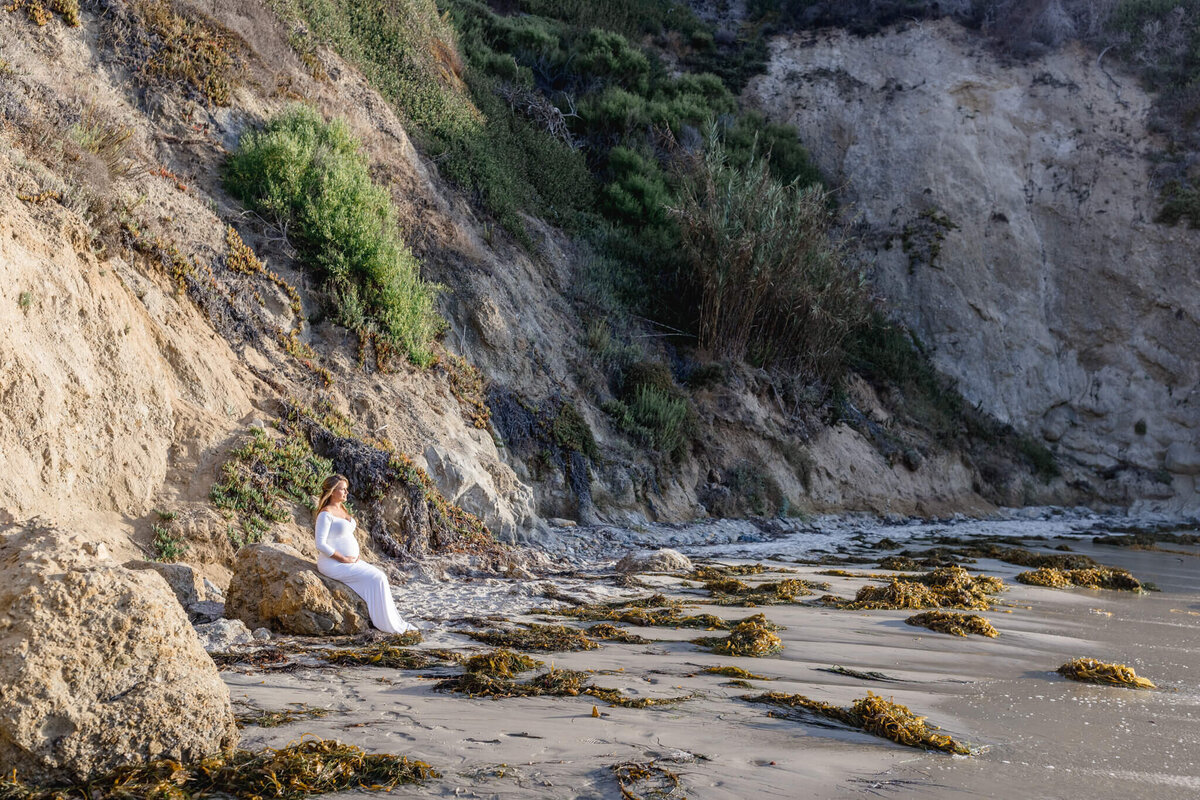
(327,491)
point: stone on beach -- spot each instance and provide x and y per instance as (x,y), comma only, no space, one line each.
(220,635)
(664,560)
(275,587)
(99,667)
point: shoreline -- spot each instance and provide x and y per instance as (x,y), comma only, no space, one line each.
(1000,696)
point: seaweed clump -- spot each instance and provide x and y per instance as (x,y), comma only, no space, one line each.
(900,563)
(607,632)
(500,663)
(735,672)
(1090,670)
(874,715)
(543,638)
(304,769)
(263,718)
(732,592)
(750,637)
(712,572)
(653,611)
(658,780)
(553,683)
(956,624)
(383,654)
(1093,578)
(948,587)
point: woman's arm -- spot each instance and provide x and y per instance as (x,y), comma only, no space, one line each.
(324,523)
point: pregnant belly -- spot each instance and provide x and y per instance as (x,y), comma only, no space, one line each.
(345,543)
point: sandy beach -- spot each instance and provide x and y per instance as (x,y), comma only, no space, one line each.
(1031,732)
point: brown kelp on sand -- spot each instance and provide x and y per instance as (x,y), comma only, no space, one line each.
(956,624)
(300,770)
(607,632)
(948,587)
(500,663)
(874,715)
(735,672)
(641,780)
(543,638)
(732,592)
(1090,670)
(653,611)
(552,683)
(751,637)
(1092,578)
(712,572)
(248,714)
(381,655)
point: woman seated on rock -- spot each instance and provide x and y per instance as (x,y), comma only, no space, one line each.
(338,557)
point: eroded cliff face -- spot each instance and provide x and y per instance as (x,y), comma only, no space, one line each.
(1009,213)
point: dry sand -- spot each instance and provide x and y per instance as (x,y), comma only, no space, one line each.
(1034,733)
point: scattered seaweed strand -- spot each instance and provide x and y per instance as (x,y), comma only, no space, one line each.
(873,714)
(664,782)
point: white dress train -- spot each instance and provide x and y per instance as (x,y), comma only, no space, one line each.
(336,535)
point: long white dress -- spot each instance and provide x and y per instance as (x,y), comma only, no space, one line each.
(336,535)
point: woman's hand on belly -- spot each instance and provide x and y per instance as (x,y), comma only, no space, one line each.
(344,559)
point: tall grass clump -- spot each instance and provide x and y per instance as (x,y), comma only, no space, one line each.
(309,177)
(775,281)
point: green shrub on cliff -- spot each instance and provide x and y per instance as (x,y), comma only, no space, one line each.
(309,177)
(775,283)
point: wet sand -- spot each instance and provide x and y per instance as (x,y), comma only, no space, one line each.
(1034,733)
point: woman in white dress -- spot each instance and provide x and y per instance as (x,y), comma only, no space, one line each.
(339,560)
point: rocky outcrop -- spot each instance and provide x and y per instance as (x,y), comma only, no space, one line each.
(1009,210)
(182,579)
(273,586)
(98,664)
(664,560)
(471,486)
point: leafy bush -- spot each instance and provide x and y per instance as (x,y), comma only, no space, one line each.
(262,476)
(775,283)
(660,419)
(309,176)
(168,546)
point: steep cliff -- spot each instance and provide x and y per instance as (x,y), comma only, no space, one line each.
(1009,213)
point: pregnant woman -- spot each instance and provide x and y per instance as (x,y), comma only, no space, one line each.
(338,557)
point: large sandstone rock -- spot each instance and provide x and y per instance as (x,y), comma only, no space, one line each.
(273,586)
(182,579)
(98,664)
